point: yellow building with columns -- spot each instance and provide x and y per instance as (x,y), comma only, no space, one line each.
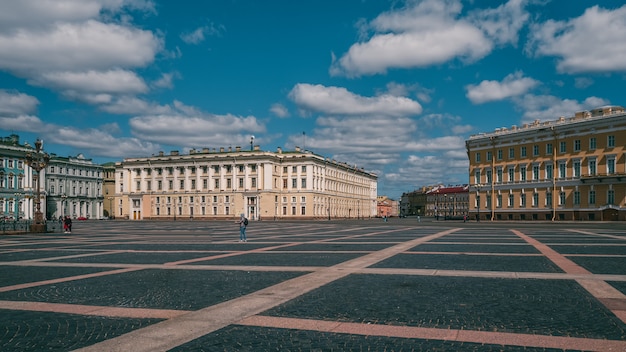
(572,168)
(209,184)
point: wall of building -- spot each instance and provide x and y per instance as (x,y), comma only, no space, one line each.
(568,169)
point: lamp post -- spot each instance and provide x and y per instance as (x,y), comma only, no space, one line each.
(111,212)
(63,202)
(478,186)
(38,160)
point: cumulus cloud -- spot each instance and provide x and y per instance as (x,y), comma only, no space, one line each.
(593,42)
(279,110)
(548,107)
(114,81)
(13,103)
(430,32)
(338,100)
(512,85)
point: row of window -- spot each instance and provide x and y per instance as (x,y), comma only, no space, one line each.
(205,184)
(591,199)
(79,172)
(548,170)
(11,163)
(577,147)
(12,182)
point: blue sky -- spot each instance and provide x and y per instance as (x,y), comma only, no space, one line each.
(394,87)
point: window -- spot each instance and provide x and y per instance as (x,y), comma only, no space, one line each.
(611,196)
(562,198)
(229,183)
(522,152)
(253,182)
(511,153)
(205,183)
(193,184)
(592,166)
(577,145)
(182,184)
(476,176)
(294,169)
(535,172)
(477,157)
(592,197)
(610,165)
(499,175)
(563,147)
(522,200)
(488,176)
(576,197)
(499,154)
(303,210)
(511,200)
(240,182)
(592,143)
(535,199)
(522,173)
(576,168)
(499,201)
(171,185)
(214,199)
(535,150)
(303,183)
(226,199)
(548,199)
(511,174)
(562,169)
(149,185)
(217,183)
(610,143)
(284,183)
(294,183)
(303,168)
(549,173)
(549,149)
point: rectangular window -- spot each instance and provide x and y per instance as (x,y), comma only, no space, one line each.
(489,156)
(217,183)
(577,145)
(193,184)
(240,182)
(499,201)
(294,183)
(563,147)
(549,173)
(576,197)
(611,197)
(548,199)
(170,184)
(535,150)
(549,149)
(499,154)
(610,143)
(522,173)
(488,176)
(592,167)
(182,184)
(610,165)
(523,152)
(511,200)
(535,200)
(592,197)
(592,143)
(138,187)
(476,176)
(229,183)
(303,168)
(511,174)
(477,157)
(522,200)
(253,182)
(303,210)
(511,153)
(576,168)
(303,183)
(535,172)
(562,170)
(562,198)
(499,175)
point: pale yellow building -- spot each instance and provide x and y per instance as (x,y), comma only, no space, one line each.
(572,168)
(210,184)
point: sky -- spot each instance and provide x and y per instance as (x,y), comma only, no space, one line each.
(393,87)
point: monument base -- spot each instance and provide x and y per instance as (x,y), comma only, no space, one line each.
(38,228)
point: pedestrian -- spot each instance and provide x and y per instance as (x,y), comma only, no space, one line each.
(67,224)
(243,223)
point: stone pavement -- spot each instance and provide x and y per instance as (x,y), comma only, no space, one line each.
(316,286)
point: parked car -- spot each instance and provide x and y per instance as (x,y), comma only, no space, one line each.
(81,218)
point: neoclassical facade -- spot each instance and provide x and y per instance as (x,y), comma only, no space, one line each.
(17,180)
(210,184)
(74,188)
(572,168)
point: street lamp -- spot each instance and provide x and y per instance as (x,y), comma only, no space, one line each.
(478,187)
(63,202)
(111,212)
(38,161)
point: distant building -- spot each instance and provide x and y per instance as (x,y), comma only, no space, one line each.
(387,207)
(17,181)
(74,187)
(108,186)
(414,203)
(571,168)
(210,184)
(447,202)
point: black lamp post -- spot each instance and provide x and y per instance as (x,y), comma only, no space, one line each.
(38,160)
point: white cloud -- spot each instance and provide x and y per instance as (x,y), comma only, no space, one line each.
(134,106)
(114,81)
(13,103)
(593,42)
(512,85)
(338,100)
(582,82)
(548,107)
(166,80)
(199,130)
(430,32)
(198,35)
(279,110)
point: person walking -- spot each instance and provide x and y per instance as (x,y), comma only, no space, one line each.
(67,224)
(243,223)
